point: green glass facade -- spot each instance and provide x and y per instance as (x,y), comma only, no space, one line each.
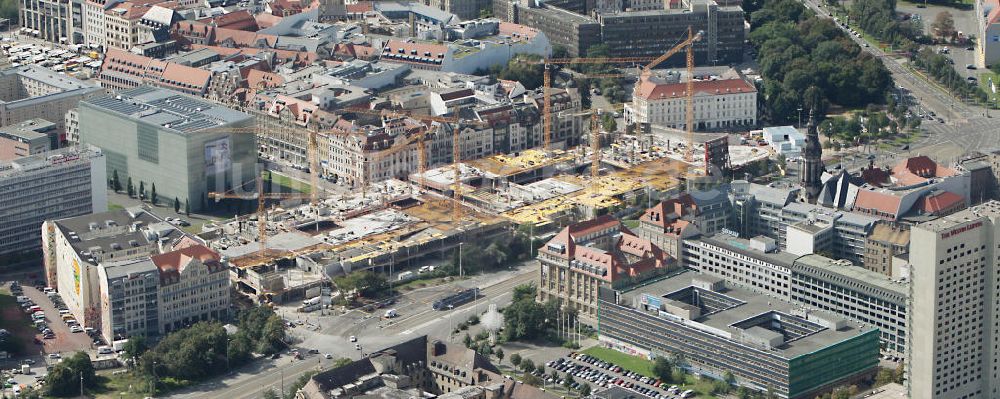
(838,361)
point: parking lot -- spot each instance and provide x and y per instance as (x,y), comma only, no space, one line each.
(63,341)
(599,374)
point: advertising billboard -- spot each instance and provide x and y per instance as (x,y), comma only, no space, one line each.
(217,156)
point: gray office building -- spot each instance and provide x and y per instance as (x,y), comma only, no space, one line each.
(813,281)
(651,33)
(712,328)
(184,145)
(51,185)
(856,293)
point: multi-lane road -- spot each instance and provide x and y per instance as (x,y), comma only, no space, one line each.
(331,333)
(965,128)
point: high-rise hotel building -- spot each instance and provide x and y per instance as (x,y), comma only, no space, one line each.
(954,325)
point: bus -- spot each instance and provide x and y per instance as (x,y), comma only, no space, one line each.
(456,299)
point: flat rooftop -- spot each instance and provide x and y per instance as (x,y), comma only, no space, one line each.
(48,77)
(115,230)
(861,276)
(168,109)
(743,246)
(757,313)
(28,130)
(60,157)
(987,209)
(527,160)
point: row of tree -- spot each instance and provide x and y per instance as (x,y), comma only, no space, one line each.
(116,185)
(808,62)
(878,19)
(940,68)
(205,349)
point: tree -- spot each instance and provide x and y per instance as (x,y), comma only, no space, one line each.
(943,26)
(115,183)
(585,390)
(526,319)
(152,194)
(177,205)
(527,365)
(609,123)
(239,351)
(467,340)
(525,291)
(568,382)
(270,394)
(559,51)
(884,376)
(299,384)
(187,208)
(663,369)
(524,68)
(515,359)
(499,354)
(64,378)
(142,190)
(135,346)
(131,188)
(367,283)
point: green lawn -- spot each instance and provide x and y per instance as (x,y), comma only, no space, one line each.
(628,362)
(285,184)
(700,386)
(132,386)
(632,224)
(984,83)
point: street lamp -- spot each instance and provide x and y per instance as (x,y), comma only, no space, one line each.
(800,117)
(460,259)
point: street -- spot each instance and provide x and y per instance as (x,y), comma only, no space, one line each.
(965,127)
(372,332)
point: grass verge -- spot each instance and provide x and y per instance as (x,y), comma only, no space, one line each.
(284,184)
(628,362)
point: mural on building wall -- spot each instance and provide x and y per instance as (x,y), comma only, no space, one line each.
(76,276)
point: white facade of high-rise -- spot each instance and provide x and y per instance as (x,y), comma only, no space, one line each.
(954,333)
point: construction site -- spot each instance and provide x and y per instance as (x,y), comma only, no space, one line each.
(295,243)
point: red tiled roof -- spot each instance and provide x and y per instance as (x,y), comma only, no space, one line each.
(994,14)
(517,31)
(172,264)
(360,7)
(257,79)
(265,20)
(235,18)
(303,111)
(877,203)
(181,75)
(944,201)
(917,170)
(299,57)
(651,90)
(155,71)
(875,176)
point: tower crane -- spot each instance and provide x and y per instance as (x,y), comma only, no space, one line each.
(261,198)
(646,71)
(421,147)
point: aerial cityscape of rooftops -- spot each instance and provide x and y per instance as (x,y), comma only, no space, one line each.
(499,199)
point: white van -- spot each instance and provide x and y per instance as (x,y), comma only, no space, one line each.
(687,394)
(390,313)
(104,350)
